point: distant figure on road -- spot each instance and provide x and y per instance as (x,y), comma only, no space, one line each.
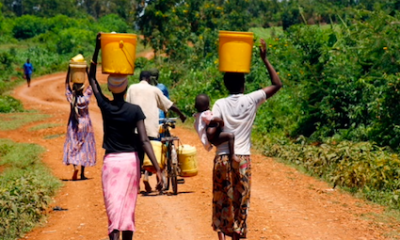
(80,145)
(232,179)
(28,70)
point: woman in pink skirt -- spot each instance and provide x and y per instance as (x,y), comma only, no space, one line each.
(121,168)
(79,146)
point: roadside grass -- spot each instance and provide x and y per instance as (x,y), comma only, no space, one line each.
(9,104)
(266,33)
(141,48)
(54,136)
(16,120)
(274,32)
(8,46)
(26,187)
(390,218)
(44,126)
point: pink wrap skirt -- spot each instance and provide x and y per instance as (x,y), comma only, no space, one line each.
(120,180)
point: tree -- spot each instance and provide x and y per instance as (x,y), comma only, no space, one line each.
(40,8)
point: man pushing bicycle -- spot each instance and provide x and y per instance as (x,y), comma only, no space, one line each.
(150,99)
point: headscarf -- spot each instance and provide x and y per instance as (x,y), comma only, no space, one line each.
(117,83)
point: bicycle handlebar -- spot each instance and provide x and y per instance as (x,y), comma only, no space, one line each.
(168,120)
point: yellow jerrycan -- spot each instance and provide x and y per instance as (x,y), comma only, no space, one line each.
(157,148)
(235,50)
(118,53)
(187,157)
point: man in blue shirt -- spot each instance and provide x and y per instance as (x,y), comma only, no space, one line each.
(28,69)
(154,74)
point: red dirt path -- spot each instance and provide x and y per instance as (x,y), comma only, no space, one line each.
(285,204)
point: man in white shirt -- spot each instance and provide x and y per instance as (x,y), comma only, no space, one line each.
(232,179)
(150,99)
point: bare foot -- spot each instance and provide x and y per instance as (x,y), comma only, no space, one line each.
(83,177)
(147,186)
(75,175)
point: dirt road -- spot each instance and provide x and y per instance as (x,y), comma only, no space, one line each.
(285,204)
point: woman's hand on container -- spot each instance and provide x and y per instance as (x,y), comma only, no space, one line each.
(263,49)
(98,40)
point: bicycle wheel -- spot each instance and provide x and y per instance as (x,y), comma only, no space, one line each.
(168,174)
(174,181)
(174,170)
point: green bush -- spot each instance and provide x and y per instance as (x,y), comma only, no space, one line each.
(113,23)
(9,104)
(6,60)
(74,40)
(26,187)
(22,204)
(60,22)
(29,26)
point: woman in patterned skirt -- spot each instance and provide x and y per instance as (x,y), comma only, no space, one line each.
(80,145)
(232,179)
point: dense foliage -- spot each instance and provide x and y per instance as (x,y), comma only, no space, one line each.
(49,43)
(341,78)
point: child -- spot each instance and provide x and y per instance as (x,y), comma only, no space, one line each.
(209,128)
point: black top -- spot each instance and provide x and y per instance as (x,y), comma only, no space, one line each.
(119,122)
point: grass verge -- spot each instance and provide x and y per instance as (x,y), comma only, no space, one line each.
(44,126)
(26,187)
(16,120)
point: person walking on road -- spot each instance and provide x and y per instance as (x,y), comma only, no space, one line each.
(121,166)
(28,70)
(80,144)
(150,99)
(232,179)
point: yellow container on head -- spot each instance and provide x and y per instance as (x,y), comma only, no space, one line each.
(235,51)
(118,53)
(78,58)
(78,71)
(159,153)
(187,156)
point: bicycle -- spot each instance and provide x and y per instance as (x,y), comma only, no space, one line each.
(171,154)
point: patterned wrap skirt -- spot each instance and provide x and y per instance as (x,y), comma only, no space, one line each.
(231,195)
(120,180)
(80,144)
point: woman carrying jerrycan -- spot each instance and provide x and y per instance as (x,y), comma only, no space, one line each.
(232,179)
(121,166)
(80,144)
